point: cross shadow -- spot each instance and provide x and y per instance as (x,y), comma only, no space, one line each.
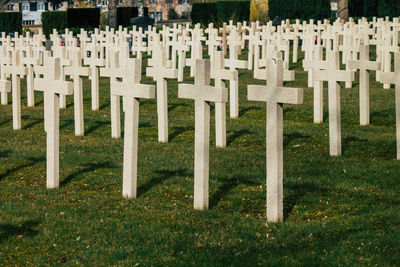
(4,122)
(8,230)
(245,110)
(348,140)
(66,123)
(96,125)
(287,138)
(297,192)
(39,102)
(178,130)
(32,162)
(235,135)
(5,153)
(32,123)
(104,105)
(228,184)
(171,107)
(89,167)
(161,176)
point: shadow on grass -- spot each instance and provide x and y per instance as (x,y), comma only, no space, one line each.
(89,167)
(32,123)
(177,130)
(348,140)
(245,110)
(5,122)
(26,229)
(32,162)
(296,193)
(287,138)
(96,125)
(227,186)
(66,123)
(171,107)
(162,176)
(237,134)
(5,153)
(104,105)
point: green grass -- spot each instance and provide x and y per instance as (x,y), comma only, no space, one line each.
(338,210)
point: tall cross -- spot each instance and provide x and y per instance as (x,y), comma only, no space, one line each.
(234,63)
(182,48)
(114,72)
(364,65)
(275,95)
(94,61)
(203,94)
(52,86)
(5,60)
(131,90)
(394,78)
(220,74)
(76,71)
(314,65)
(16,70)
(160,73)
(30,60)
(334,75)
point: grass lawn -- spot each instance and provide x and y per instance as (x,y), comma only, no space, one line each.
(338,210)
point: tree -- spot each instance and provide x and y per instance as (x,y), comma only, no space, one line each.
(343,9)
(112,13)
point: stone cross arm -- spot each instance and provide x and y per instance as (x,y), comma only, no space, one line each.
(112,72)
(228,75)
(388,77)
(94,61)
(203,93)
(312,64)
(5,86)
(54,86)
(156,72)
(77,71)
(19,70)
(238,64)
(363,65)
(133,90)
(284,95)
(337,76)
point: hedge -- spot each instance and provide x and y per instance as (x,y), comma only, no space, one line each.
(10,22)
(124,15)
(233,10)
(54,20)
(204,13)
(83,17)
(300,9)
(220,11)
(374,8)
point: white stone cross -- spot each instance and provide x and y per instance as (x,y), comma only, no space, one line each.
(220,74)
(182,48)
(16,70)
(30,60)
(364,65)
(131,90)
(314,65)
(52,86)
(114,72)
(5,60)
(160,72)
(333,75)
(274,94)
(202,94)
(94,61)
(394,78)
(233,63)
(76,71)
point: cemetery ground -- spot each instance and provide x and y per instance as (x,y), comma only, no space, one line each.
(337,210)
